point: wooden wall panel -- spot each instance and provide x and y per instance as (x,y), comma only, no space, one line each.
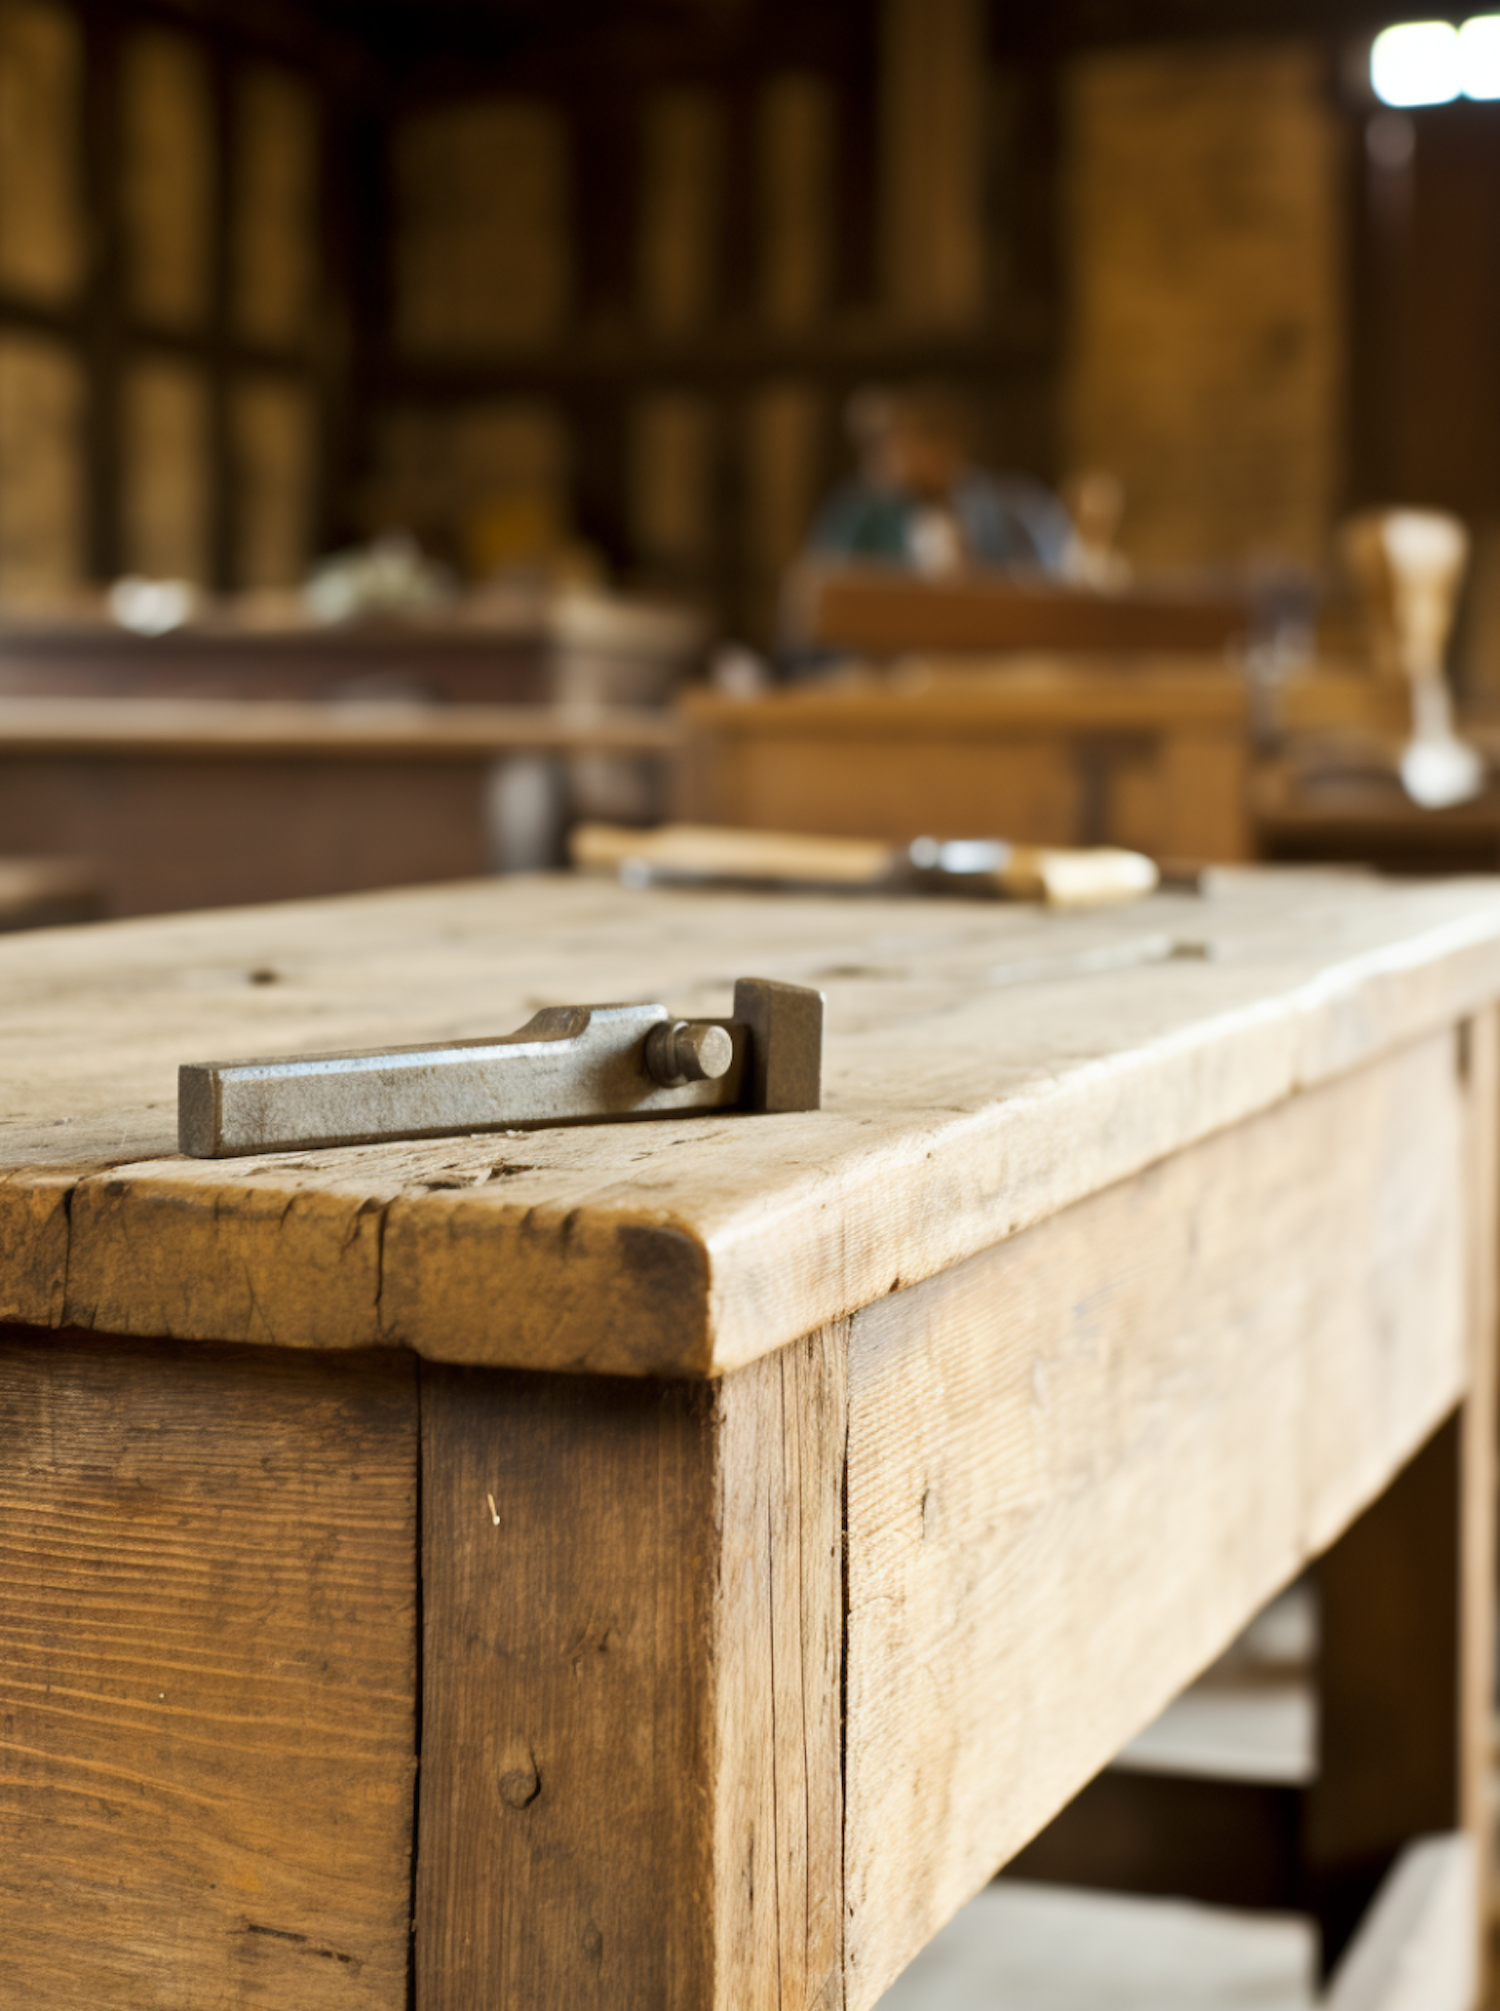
(168,163)
(1205,245)
(681,210)
(274,459)
(785,437)
(671,501)
(483,262)
(42,482)
(933,89)
(42,233)
(167,484)
(795,142)
(275,200)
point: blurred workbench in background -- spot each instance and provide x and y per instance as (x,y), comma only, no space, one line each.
(877,611)
(1150,753)
(182,803)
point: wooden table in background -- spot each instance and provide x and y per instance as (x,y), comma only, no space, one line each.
(883,611)
(1370,820)
(43,893)
(209,802)
(1153,755)
(758,1527)
(521,648)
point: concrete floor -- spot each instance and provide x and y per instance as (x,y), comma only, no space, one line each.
(1038,1948)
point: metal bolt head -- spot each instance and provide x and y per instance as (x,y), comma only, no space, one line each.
(685,1050)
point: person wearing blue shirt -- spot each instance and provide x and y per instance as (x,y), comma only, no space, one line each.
(918,501)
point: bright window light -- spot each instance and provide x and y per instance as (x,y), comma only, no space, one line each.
(1416,64)
(1479,56)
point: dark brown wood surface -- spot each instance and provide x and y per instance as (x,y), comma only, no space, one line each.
(632,1616)
(207,1676)
(175,834)
(887,612)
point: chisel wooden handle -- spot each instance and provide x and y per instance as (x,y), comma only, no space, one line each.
(1089,877)
(1094,876)
(709,852)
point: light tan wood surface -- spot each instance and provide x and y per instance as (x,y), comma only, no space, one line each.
(1023,1424)
(964,1040)
(1142,752)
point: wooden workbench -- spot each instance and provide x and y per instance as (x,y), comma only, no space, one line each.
(190,803)
(759,1527)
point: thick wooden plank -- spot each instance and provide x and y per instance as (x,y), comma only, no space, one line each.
(964,1040)
(632,1610)
(884,613)
(1079,1461)
(1405,1669)
(778,1709)
(208,1672)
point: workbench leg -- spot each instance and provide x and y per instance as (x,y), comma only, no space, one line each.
(1408,1614)
(632,1617)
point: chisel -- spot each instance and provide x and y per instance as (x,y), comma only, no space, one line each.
(701,854)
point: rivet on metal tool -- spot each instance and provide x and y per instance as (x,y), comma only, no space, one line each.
(687,1050)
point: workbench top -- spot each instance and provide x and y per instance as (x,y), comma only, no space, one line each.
(318,728)
(985,1067)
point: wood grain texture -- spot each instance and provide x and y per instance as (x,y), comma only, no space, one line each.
(964,1040)
(632,1603)
(1079,1461)
(208,1671)
(778,1720)
(1407,1598)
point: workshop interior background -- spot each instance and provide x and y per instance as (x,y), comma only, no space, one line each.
(590,284)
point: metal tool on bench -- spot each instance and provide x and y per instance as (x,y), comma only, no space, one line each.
(698,854)
(567,1065)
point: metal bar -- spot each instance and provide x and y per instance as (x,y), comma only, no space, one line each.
(567,1065)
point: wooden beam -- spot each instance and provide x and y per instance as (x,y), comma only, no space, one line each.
(632,1610)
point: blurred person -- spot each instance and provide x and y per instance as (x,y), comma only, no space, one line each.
(918,499)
